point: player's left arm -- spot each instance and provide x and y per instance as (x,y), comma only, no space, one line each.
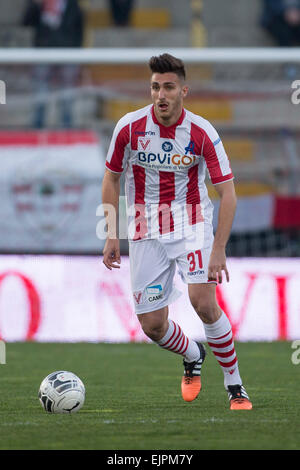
(217,263)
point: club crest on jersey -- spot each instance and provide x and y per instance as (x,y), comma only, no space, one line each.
(167,146)
(138,297)
(143,143)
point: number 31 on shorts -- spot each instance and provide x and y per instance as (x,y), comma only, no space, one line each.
(195,260)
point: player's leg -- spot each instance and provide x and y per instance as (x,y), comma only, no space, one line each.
(219,336)
(168,335)
(155,324)
(152,275)
(217,329)
(193,267)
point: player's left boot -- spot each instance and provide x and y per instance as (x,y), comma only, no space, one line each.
(191,380)
(238,398)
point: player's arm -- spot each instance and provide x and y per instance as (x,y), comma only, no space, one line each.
(217,262)
(110,200)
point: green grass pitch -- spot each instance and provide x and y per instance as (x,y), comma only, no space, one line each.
(133,399)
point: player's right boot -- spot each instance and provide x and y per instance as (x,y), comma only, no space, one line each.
(191,380)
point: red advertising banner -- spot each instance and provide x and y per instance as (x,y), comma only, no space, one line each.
(65,298)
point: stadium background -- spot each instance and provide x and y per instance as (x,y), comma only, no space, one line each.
(50,263)
(60,309)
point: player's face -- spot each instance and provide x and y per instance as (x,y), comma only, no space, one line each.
(167,92)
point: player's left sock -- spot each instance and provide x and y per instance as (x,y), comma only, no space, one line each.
(220,340)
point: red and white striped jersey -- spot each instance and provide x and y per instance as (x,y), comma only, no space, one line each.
(165,170)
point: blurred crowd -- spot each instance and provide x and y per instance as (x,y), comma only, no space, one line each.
(60,23)
(281,19)
(56,23)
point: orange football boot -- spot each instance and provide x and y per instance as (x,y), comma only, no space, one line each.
(191,380)
(238,398)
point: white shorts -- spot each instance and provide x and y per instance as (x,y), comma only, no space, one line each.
(153,263)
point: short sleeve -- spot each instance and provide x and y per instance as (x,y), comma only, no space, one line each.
(119,147)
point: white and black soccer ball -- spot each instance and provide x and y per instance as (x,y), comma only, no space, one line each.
(62,392)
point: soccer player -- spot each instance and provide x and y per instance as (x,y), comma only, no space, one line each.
(164,151)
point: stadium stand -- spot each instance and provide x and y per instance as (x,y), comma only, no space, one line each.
(234,24)
(249,104)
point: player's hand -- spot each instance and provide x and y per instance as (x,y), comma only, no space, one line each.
(111,253)
(217,264)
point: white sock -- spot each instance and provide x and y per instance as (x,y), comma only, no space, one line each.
(176,341)
(219,338)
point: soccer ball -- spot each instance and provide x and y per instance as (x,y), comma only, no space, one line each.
(62,392)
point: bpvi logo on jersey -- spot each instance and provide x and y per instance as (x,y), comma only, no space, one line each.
(154,292)
(166,160)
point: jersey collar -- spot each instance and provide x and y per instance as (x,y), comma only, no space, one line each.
(168,128)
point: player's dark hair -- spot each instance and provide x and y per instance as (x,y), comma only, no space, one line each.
(165,63)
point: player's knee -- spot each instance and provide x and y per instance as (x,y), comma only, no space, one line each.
(155,330)
(206,308)
(199,303)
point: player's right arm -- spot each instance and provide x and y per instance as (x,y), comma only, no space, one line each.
(115,162)
(110,201)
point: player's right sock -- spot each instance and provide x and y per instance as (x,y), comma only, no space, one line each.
(194,353)
(176,341)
